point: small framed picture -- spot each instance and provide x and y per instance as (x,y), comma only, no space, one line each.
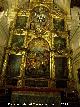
(17,41)
(58,24)
(21,22)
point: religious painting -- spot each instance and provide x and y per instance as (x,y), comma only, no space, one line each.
(38,57)
(61,71)
(21,22)
(61,67)
(17,41)
(58,24)
(13,66)
(59,43)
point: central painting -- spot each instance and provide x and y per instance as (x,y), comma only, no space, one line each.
(38,59)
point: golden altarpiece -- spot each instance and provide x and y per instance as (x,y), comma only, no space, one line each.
(38,51)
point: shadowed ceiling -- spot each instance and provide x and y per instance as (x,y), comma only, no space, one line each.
(75,3)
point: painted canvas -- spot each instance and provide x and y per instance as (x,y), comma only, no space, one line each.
(61,72)
(13,69)
(13,66)
(17,41)
(38,59)
(59,43)
(21,22)
(58,24)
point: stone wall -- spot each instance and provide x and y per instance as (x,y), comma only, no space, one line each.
(64,4)
(75,41)
(6,17)
(4,33)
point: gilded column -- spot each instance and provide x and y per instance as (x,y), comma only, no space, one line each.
(70,68)
(4,69)
(52,59)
